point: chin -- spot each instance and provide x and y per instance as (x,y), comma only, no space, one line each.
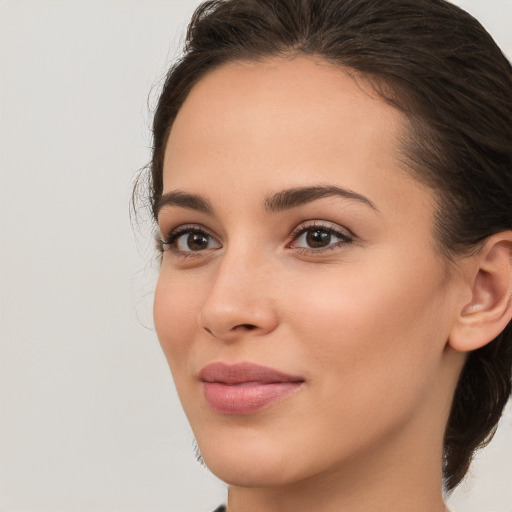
(249,474)
(249,464)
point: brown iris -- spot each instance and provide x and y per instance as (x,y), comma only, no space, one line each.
(197,241)
(318,238)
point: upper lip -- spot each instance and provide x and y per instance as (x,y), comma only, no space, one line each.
(239,373)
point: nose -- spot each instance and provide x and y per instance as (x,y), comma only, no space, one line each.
(239,301)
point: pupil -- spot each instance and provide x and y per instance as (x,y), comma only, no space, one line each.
(197,242)
(318,238)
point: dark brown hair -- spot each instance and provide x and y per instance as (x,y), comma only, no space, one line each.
(437,64)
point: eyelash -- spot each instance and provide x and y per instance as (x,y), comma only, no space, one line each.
(170,240)
(345,237)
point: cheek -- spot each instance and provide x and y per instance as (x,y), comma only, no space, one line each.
(364,326)
(175,313)
(373,347)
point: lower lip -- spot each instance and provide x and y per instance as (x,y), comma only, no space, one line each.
(245,398)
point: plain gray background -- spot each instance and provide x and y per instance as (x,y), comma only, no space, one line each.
(88,415)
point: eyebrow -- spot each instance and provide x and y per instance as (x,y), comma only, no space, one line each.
(278,202)
(183,200)
(294,197)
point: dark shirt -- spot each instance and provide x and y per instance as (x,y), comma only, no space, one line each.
(222,508)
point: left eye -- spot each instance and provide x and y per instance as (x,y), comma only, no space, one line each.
(192,240)
(319,237)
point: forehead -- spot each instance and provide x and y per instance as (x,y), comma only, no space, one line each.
(267,101)
(264,124)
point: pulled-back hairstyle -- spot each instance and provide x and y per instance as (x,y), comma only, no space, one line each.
(434,62)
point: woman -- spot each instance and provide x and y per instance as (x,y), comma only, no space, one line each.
(332,183)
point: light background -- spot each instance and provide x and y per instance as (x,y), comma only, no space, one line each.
(89,420)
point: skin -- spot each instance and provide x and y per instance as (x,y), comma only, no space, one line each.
(364,322)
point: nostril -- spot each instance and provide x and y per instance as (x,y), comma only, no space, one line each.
(239,328)
(249,327)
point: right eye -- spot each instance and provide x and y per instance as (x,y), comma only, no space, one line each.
(187,240)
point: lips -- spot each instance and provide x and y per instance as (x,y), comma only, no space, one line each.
(245,388)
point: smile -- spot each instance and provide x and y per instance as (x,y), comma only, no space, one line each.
(245,388)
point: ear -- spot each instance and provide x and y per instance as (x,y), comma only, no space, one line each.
(489,311)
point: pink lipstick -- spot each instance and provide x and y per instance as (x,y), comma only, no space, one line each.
(244,388)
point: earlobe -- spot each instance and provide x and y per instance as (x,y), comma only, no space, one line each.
(489,311)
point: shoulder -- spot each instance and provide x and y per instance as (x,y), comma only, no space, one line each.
(222,508)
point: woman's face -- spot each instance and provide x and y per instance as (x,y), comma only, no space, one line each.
(297,241)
